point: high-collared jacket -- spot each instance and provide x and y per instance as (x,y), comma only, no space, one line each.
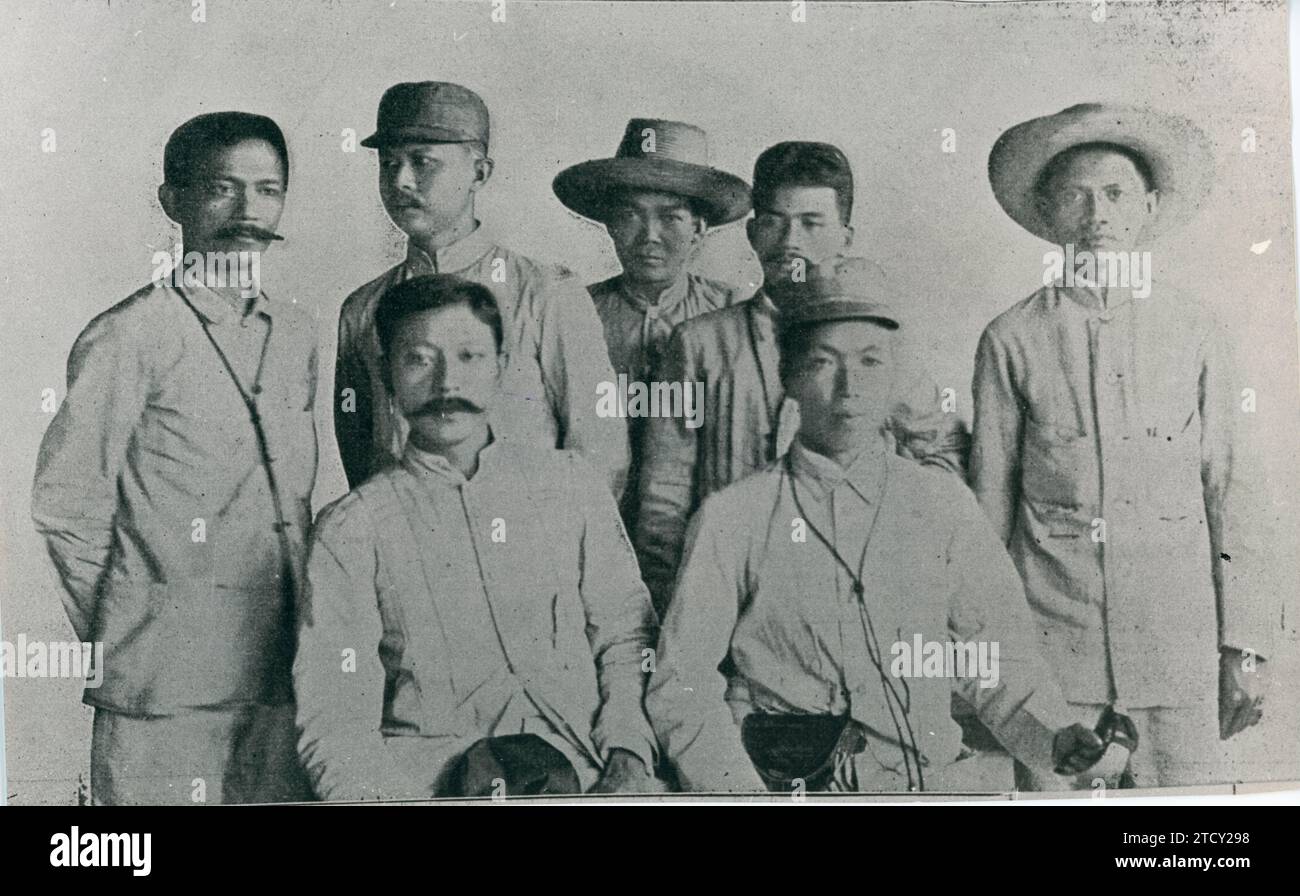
(765,620)
(442,610)
(557,359)
(156,503)
(1112,451)
(748,422)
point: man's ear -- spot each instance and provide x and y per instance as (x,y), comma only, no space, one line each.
(701,228)
(848,235)
(1153,201)
(749,231)
(170,199)
(482,172)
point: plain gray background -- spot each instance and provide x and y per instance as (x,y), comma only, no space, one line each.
(882,81)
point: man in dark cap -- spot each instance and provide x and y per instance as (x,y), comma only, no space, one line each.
(783,662)
(657,197)
(432,139)
(1108,448)
(173,489)
(803,201)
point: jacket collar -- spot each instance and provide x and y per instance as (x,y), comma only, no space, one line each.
(450,259)
(216,309)
(1100,301)
(763,304)
(819,476)
(669,298)
(428,464)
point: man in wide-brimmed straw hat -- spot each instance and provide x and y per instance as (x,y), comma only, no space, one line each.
(803,203)
(657,196)
(1107,449)
(432,142)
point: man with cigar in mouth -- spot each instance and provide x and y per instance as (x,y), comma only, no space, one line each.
(432,140)
(803,201)
(475,622)
(173,490)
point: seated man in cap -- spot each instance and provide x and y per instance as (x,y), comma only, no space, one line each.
(174,486)
(432,140)
(656,197)
(475,623)
(803,201)
(785,659)
(1108,451)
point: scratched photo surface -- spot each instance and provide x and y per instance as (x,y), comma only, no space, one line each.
(484,602)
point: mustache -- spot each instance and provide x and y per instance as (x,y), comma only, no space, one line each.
(247,230)
(438,406)
(782,257)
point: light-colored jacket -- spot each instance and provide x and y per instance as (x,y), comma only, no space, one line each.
(764,621)
(556,349)
(156,505)
(558,575)
(747,424)
(1109,452)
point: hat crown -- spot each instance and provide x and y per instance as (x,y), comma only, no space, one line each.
(845,277)
(842,288)
(447,112)
(658,138)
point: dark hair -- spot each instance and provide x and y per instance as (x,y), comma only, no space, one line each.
(801,164)
(791,344)
(428,293)
(191,145)
(1056,164)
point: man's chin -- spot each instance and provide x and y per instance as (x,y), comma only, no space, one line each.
(442,431)
(414,222)
(241,244)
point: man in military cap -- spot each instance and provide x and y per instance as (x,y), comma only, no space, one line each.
(803,201)
(173,489)
(1108,451)
(432,139)
(657,197)
(782,664)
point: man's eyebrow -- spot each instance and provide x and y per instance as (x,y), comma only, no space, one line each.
(227,175)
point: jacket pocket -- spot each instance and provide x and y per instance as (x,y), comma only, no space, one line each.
(1058,466)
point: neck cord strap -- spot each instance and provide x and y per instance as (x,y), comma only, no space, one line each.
(892,697)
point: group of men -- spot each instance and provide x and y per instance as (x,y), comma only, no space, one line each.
(474,618)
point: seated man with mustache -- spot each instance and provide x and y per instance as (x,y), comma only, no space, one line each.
(476,623)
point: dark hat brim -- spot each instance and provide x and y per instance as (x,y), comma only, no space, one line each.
(1177,152)
(588,187)
(837,308)
(418,135)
